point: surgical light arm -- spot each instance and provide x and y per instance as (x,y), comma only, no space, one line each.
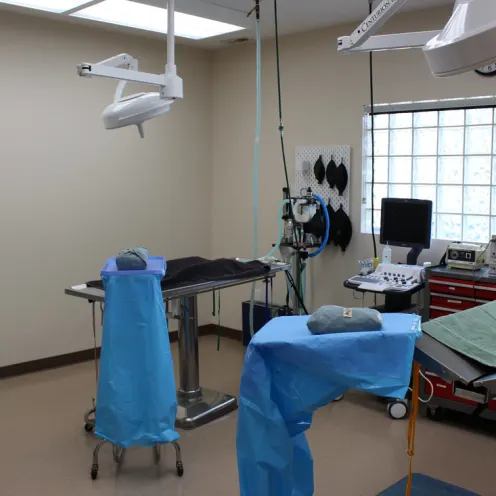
(370,26)
(387,42)
(363,39)
(171,86)
(110,68)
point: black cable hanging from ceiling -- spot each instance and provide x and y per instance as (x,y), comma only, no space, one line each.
(372,135)
(296,234)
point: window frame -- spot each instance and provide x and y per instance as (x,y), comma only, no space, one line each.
(426,106)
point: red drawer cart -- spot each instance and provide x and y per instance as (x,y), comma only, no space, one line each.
(449,291)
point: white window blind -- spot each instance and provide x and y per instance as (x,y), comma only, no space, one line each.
(444,155)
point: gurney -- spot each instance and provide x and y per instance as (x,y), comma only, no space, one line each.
(471,379)
(196,405)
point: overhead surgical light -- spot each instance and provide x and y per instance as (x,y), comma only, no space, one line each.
(468,41)
(135,109)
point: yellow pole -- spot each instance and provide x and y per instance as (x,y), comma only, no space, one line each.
(412,423)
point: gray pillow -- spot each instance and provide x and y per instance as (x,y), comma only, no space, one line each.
(331,319)
(132,259)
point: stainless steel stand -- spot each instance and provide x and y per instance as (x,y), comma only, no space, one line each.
(196,405)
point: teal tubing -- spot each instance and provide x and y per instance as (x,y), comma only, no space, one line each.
(281,233)
(328,226)
(256,156)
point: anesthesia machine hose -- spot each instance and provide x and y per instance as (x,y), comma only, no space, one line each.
(328,226)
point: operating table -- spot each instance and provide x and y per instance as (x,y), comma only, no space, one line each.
(196,405)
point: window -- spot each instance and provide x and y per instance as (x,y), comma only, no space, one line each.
(435,151)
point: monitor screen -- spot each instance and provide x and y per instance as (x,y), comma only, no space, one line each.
(406,222)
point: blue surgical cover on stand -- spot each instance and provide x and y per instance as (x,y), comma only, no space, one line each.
(289,372)
(136,401)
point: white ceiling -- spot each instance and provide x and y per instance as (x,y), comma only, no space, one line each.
(294,15)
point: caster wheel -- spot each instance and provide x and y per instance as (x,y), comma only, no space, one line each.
(180,469)
(88,427)
(94,472)
(339,398)
(397,410)
(435,414)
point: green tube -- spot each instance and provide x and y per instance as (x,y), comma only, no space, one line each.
(256,163)
(281,234)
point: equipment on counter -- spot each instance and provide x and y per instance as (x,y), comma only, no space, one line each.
(135,109)
(386,254)
(468,41)
(366,266)
(319,170)
(492,255)
(390,277)
(407,223)
(469,256)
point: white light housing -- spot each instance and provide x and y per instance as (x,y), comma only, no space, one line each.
(467,42)
(135,109)
(57,6)
(150,18)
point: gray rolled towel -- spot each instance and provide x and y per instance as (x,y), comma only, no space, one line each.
(332,319)
(132,259)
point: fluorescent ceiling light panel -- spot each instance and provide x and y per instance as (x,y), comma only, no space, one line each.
(141,16)
(57,6)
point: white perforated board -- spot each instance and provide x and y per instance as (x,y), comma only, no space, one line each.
(306,178)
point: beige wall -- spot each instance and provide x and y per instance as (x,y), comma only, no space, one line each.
(324,93)
(73,194)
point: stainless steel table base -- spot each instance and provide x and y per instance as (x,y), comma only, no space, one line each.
(196,405)
(210,405)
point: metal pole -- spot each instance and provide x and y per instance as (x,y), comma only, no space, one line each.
(297,280)
(189,369)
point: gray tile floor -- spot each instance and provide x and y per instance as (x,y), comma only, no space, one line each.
(358,450)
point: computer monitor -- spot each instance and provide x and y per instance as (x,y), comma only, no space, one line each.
(406,222)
